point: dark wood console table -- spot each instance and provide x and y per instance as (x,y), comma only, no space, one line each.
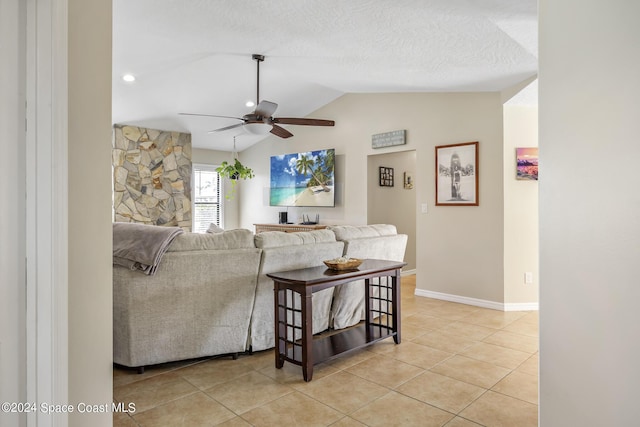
(293,312)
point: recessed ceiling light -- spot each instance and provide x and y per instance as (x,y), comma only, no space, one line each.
(129,78)
(250,104)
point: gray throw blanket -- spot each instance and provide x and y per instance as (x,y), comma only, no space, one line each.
(139,246)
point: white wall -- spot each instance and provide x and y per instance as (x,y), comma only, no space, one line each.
(394,205)
(215,157)
(90,231)
(589,212)
(12,208)
(459,249)
(520,208)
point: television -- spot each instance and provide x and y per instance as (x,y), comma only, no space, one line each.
(303,179)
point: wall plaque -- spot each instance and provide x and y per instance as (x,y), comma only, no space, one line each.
(388,139)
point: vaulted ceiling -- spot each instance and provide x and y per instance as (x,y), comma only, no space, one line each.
(195,55)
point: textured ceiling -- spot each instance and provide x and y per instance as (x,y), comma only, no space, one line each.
(195,55)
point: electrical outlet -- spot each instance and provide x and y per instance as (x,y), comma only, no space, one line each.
(424,208)
(528,278)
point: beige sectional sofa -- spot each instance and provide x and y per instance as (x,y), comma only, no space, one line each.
(210,294)
(199,302)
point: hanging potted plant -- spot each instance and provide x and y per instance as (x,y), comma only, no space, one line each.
(234,171)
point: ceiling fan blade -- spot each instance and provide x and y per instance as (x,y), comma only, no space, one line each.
(266,109)
(301,121)
(281,132)
(226,128)
(210,115)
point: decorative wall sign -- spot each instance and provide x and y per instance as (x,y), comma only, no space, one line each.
(527,159)
(457,174)
(386,177)
(388,139)
(408,180)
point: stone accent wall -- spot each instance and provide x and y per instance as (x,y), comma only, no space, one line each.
(152,176)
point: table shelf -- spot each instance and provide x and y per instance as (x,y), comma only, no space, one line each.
(340,342)
(334,345)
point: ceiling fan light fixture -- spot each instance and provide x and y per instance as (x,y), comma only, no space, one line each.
(257,128)
(261,121)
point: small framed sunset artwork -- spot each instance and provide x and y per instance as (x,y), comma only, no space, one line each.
(527,163)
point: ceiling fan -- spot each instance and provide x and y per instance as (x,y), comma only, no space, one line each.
(261,120)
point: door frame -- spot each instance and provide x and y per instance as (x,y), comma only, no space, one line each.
(46,170)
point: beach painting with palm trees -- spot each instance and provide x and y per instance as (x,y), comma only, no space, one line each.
(303,179)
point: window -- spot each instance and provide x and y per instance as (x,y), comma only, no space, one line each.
(207,198)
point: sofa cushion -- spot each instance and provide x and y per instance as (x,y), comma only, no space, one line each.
(276,239)
(346,232)
(231,239)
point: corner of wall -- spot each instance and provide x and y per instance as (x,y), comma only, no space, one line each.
(520,209)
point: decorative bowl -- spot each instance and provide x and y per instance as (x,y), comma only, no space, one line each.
(343,263)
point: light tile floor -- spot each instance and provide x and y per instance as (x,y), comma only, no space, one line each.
(457,366)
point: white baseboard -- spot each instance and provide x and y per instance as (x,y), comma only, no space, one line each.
(521,306)
(525,306)
(408,272)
